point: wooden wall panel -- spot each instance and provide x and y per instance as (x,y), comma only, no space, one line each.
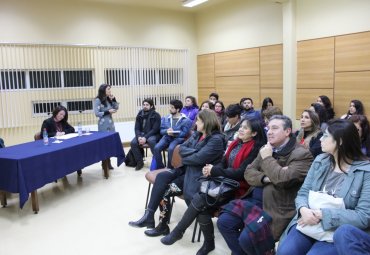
(352,52)
(232,89)
(276,95)
(315,63)
(206,71)
(203,94)
(305,97)
(348,86)
(271,66)
(237,63)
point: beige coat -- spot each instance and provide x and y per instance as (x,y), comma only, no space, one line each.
(287,170)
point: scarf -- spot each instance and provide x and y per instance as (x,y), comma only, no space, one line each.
(240,157)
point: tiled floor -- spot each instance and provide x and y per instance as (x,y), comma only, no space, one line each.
(90,215)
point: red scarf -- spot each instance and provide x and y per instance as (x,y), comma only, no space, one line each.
(240,157)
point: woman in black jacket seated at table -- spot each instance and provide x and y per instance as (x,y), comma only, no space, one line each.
(205,146)
(239,155)
(57,124)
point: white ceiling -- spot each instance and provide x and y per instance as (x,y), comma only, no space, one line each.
(161,4)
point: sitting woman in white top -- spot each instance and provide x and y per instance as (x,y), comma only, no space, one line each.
(342,171)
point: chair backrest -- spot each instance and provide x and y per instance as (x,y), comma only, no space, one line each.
(37,136)
(176,158)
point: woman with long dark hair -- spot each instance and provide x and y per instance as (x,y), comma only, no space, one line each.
(57,124)
(105,106)
(205,146)
(310,133)
(325,101)
(363,128)
(321,112)
(355,107)
(239,155)
(266,103)
(343,172)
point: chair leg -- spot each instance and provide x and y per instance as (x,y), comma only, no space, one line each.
(147,195)
(199,234)
(195,230)
(164,158)
(169,215)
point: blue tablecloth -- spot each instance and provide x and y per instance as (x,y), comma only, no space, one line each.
(29,166)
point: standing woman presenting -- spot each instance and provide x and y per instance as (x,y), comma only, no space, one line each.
(104,106)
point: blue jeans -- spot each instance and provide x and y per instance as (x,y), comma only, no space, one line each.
(296,243)
(171,143)
(351,240)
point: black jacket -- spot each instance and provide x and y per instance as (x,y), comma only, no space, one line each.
(152,126)
(51,128)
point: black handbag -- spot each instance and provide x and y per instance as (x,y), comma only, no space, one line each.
(217,187)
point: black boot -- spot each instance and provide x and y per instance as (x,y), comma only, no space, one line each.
(189,216)
(161,229)
(146,221)
(139,166)
(172,237)
(206,226)
(207,247)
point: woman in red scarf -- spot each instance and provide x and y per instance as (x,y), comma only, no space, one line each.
(240,154)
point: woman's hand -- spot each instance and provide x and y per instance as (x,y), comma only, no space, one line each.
(207,170)
(309,216)
(112,110)
(60,133)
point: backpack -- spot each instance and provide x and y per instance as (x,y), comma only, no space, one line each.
(130,159)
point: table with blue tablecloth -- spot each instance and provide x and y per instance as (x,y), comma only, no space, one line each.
(26,167)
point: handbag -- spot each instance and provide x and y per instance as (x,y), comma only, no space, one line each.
(318,200)
(218,187)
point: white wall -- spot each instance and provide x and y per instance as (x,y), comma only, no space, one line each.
(323,18)
(238,24)
(74,22)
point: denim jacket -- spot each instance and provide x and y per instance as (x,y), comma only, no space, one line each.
(183,125)
(355,192)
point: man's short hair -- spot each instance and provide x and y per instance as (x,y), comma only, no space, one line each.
(246,98)
(287,122)
(177,104)
(233,110)
(150,102)
(213,94)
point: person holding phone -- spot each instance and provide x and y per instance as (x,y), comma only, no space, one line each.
(105,106)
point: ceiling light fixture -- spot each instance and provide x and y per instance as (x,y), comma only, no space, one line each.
(192,3)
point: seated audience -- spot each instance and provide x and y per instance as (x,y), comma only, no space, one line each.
(147,127)
(233,113)
(325,101)
(213,97)
(205,146)
(349,239)
(321,112)
(190,108)
(363,128)
(268,113)
(239,155)
(220,111)
(252,225)
(57,124)
(174,129)
(248,109)
(266,103)
(355,107)
(310,133)
(207,105)
(343,172)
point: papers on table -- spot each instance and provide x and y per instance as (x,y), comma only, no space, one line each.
(67,136)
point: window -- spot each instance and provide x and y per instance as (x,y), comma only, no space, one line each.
(117,77)
(45,108)
(45,79)
(80,106)
(13,80)
(81,78)
(170,76)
